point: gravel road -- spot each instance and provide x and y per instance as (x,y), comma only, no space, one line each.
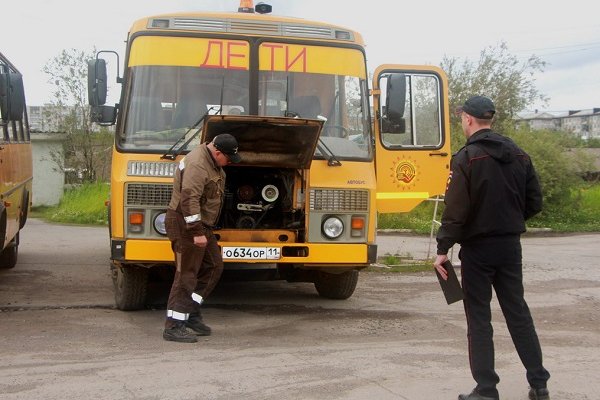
(61,338)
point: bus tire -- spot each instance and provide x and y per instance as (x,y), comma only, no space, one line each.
(336,286)
(2,226)
(8,256)
(24,209)
(131,286)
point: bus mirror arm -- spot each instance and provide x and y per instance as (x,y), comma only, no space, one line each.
(103,115)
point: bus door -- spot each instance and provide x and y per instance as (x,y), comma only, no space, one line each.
(412,135)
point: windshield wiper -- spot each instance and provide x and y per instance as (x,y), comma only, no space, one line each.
(172,155)
(332,161)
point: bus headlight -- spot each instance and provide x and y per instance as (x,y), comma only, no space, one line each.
(333,227)
(159,223)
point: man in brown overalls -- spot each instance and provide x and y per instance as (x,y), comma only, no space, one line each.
(196,202)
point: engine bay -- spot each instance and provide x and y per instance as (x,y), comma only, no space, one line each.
(262,198)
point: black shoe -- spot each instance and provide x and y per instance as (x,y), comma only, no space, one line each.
(199,328)
(179,333)
(475,396)
(539,394)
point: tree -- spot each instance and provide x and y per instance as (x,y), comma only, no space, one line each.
(511,85)
(84,151)
(498,75)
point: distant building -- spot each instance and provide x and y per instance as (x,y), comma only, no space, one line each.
(46,118)
(48,179)
(582,123)
(47,142)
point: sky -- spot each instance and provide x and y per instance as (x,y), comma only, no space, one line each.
(567,37)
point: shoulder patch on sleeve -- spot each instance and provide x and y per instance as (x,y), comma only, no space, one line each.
(449,180)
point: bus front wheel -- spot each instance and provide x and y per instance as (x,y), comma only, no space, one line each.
(336,286)
(131,286)
(8,256)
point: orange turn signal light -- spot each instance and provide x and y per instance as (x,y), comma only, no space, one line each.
(136,218)
(358,223)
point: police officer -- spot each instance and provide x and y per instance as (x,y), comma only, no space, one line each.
(194,209)
(492,190)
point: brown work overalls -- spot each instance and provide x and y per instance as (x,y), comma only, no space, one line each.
(194,209)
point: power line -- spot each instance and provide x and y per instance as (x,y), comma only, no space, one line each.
(549,51)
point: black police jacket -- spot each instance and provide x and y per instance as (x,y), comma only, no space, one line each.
(492,189)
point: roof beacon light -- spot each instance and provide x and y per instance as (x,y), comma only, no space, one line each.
(263,8)
(246,6)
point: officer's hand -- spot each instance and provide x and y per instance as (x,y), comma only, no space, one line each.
(437,264)
(200,241)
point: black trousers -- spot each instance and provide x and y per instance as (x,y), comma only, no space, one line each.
(198,270)
(497,262)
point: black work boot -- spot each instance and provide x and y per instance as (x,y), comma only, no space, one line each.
(179,333)
(475,396)
(539,394)
(195,323)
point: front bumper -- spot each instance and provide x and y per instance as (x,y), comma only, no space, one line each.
(159,251)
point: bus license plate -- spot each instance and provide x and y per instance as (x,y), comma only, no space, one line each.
(251,253)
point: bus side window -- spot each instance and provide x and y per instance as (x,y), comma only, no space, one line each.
(21,131)
(14,131)
(421,125)
(396,130)
(5,136)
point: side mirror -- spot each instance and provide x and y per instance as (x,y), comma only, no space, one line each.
(12,96)
(103,115)
(97,86)
(395,102)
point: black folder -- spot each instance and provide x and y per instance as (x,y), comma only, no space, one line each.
(451,287)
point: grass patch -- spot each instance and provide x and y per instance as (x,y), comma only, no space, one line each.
(591,199)
(398,263)
(80,205)
(580,214)
(85,205)
(418,220)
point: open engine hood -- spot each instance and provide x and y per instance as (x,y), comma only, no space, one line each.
(268,141)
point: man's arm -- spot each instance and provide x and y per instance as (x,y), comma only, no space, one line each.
(458,204)
(533,193)
(192,187)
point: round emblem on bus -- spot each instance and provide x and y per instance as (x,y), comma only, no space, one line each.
(405,171)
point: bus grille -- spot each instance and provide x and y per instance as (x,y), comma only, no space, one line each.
(339,200)
(307,31)
(234,25)
(149,168)
(199,24)
(253,27)
(147,194)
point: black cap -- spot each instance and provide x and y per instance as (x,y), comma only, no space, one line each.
(228,145)
(478,106)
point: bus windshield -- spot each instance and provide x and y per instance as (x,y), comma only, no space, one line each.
(165,101)
(169,90)
(339,101)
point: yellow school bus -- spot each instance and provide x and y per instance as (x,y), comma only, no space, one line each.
(322,152)
(16,171)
